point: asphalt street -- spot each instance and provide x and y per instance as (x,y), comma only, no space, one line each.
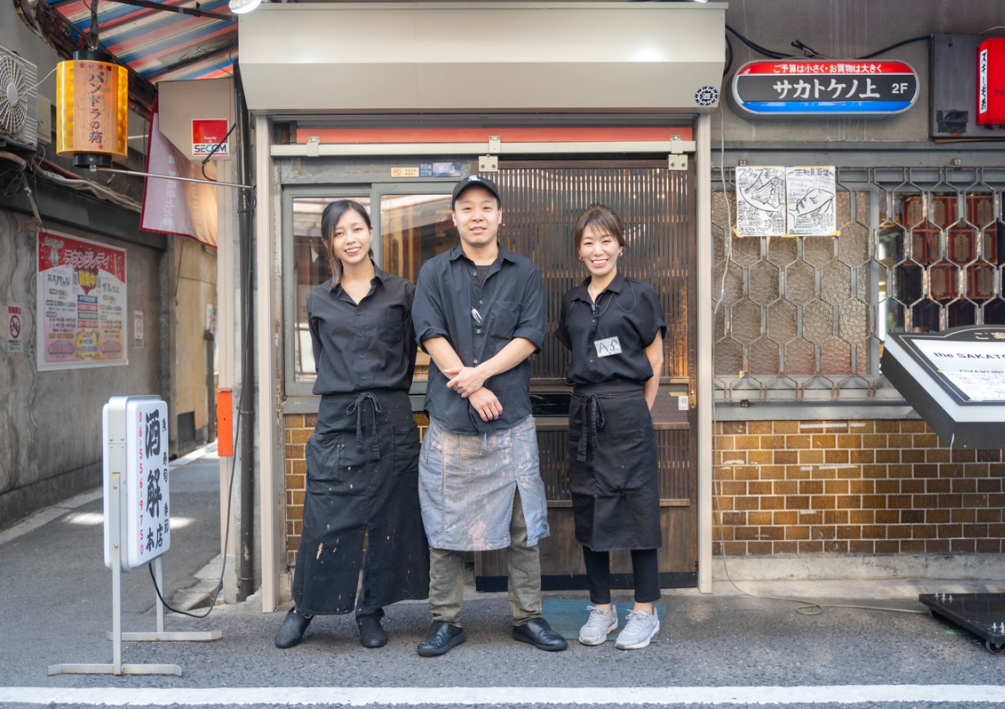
(723,649)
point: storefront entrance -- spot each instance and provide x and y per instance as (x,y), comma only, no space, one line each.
(541,199)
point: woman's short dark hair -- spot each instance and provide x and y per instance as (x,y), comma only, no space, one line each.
(329,220)
(601,218)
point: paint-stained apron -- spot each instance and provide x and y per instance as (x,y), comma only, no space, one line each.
(362,478)
(613,469)
(467,484)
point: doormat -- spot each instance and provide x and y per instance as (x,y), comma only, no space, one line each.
(566,617)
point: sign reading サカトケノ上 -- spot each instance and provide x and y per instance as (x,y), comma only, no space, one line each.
(81,303)
(813,88)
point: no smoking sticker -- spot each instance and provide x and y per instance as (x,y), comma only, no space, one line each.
(15,340)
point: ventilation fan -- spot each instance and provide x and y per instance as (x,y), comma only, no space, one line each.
(18,100)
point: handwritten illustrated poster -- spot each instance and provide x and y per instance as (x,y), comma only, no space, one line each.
(810,201)
(786,201)
(760,201)
(976,368)
(81,303)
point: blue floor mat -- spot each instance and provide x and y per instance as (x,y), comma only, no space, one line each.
(568,616)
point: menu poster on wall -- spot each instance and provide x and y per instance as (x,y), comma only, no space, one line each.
(810,202)
(81,303)
(760,201)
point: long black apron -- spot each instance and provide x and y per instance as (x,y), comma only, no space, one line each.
(362,483)
(613,470)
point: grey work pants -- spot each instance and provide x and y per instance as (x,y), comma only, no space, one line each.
(446,576)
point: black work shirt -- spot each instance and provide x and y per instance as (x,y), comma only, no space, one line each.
(478,320)
(365,345)
(608,339)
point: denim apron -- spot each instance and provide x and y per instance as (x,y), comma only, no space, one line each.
(467,484)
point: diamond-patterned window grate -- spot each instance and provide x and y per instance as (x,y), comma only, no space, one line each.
(803,318)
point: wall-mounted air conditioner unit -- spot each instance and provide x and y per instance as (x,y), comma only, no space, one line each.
(18,100)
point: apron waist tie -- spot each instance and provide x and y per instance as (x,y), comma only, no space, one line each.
(592,416)
(357,408)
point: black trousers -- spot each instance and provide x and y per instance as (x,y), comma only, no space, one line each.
(645,569)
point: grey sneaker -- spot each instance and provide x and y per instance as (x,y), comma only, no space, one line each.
(639,630)
(601,624)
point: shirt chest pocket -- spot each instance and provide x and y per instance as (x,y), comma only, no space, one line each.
(504,319)
(389,324)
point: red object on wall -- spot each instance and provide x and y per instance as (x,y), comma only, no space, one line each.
(991,83)
(225,423)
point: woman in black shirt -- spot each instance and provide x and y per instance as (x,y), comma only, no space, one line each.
(362,528)
(614,327)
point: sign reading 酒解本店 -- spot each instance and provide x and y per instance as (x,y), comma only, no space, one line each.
(81,303)
(814,88)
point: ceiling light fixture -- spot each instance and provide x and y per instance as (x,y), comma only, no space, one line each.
(242,6)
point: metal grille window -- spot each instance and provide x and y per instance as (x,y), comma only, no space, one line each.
(919,250)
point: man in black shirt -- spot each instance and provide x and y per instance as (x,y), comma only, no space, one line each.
(480,312)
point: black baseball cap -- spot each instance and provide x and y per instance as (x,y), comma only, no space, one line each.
(475,181)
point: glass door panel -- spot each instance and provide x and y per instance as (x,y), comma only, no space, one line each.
(414,228)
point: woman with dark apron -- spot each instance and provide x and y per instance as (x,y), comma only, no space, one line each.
(614,327)
(363,545)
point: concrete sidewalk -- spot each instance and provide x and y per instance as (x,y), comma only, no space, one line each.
(56,608)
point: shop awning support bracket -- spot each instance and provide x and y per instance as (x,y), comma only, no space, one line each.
(490,162)
(677,160)
(313,146)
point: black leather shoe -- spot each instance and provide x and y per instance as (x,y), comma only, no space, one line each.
(371,634)
(440,639)
(292,630)
(538,633)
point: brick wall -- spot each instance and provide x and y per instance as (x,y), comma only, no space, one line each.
(299,428)
(804,487)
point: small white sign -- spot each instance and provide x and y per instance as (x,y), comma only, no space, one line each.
(144,478)
(138,328)
(608,347)
(15,328)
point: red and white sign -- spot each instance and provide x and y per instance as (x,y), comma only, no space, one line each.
(815,89)
(15,328)
(991,83)
(81,303)
(207,135)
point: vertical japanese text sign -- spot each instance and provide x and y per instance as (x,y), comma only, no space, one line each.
(144,478)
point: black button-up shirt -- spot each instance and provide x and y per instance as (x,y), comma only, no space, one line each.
(478,320)
(625,317)
(365,345)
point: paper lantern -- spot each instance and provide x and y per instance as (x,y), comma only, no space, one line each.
(92,96)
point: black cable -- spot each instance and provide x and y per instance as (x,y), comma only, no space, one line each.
(894,46)
(770,53)
(230,493)
(214,150)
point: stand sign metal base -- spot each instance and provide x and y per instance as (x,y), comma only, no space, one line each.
(115,469)
(983,614)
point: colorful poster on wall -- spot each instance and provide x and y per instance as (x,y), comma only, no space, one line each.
(81,303)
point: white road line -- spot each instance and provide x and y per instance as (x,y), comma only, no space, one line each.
(481,696)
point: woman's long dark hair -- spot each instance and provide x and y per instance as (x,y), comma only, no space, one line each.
(329,220)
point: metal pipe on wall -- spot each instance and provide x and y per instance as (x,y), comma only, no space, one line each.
(246,551)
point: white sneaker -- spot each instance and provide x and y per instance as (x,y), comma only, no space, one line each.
(639,630)
(601,624)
